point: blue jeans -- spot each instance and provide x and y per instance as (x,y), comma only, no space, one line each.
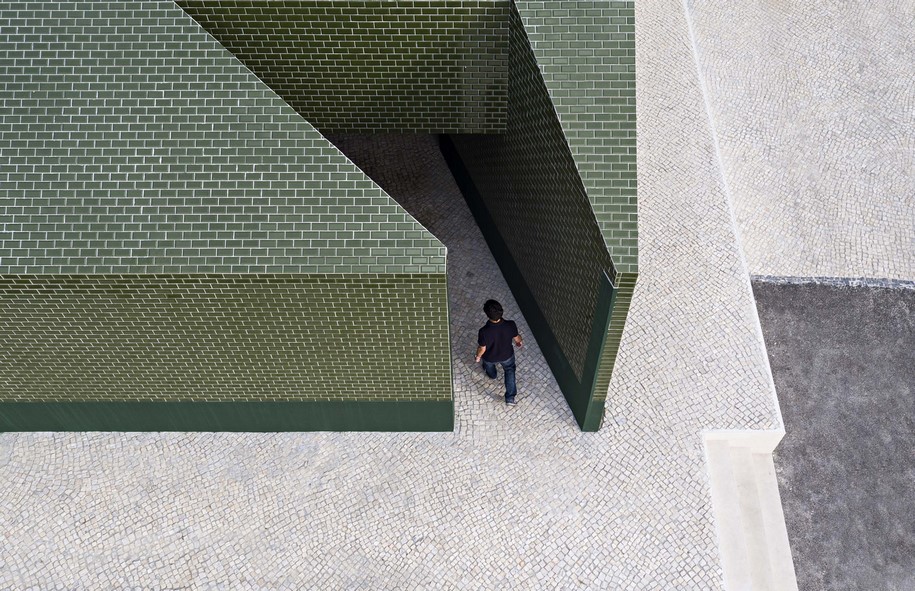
(509,366)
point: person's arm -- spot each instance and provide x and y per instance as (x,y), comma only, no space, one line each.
(480,350)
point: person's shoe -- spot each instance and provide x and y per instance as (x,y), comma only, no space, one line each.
(510,400)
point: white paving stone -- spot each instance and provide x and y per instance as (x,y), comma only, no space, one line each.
(515,498)
(814,108)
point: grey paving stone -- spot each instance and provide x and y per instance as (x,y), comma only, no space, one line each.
(812,105)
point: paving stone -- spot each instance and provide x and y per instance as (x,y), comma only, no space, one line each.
(812,107)
(515,497)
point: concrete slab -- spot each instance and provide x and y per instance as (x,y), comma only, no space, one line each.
(844,365)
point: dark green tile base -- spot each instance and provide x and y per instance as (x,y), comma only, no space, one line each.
(228,416)
(587,408)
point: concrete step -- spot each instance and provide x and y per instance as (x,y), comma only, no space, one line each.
(777,543)
(753,540)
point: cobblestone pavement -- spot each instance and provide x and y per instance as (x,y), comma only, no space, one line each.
(813,107)
(515,498)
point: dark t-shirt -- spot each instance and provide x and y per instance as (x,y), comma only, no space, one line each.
(497,338)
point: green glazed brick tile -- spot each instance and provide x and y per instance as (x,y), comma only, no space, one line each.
(217,338)
(611,41)
(559,249)
(399,77)
(571,179)
(183,139)
(138,202)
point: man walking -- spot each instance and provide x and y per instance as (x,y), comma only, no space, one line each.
(495,347)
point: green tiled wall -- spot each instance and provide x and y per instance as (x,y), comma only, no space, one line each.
(174,233)
(532,189)
(560,192)
(585,51)
(254,415)
(432,66)
(622,297)
(176,338)
(133,143)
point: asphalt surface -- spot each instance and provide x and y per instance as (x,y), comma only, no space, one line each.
(843,359)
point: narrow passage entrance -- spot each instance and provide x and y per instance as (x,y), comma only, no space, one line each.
(411,169)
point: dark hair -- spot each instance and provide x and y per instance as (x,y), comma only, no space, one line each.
(493,309)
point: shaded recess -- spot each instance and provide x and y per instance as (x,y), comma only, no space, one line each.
(427,66)
(556,194)
(174,233)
